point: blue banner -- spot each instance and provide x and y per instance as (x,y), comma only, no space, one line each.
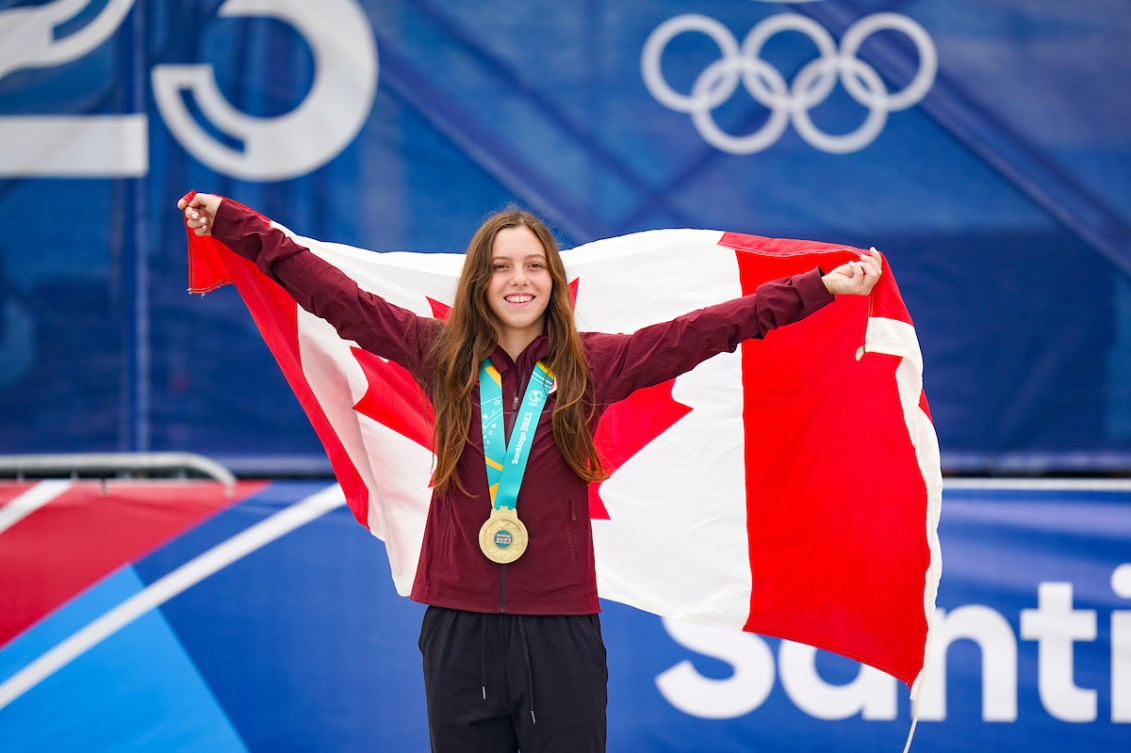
(268,622)
(982,146)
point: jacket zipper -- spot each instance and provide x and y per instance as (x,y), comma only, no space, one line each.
(502,588)
(513,416)
(570,525)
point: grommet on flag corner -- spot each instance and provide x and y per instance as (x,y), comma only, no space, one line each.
(861,351)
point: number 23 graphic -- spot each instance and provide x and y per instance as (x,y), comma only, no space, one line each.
(317,130)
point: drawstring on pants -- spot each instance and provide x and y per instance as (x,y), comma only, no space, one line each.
(483,654)
(525,656)
(529,669)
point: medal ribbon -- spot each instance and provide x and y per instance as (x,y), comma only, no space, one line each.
(506,461)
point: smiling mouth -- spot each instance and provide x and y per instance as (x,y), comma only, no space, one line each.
(519,298)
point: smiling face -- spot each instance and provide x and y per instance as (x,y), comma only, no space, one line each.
(520,287)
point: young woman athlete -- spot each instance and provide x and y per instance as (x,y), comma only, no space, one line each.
(511,642)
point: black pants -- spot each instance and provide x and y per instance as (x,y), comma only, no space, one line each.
(499,683)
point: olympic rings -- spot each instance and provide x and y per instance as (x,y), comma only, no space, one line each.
(788,101)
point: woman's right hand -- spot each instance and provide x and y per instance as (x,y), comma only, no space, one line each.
(200,213)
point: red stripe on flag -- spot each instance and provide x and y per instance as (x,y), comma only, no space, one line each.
(783,248)
(207,269)
(276,315)
(887,302)
(837,540)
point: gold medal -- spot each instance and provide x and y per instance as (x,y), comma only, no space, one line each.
(503,538)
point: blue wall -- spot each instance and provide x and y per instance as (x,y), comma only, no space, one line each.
(998,182)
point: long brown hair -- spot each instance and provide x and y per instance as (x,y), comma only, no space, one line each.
(469,335)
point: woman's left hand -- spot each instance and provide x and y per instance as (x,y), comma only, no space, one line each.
(855,277)
(200,213)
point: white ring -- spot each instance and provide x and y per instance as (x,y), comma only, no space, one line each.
(928,59)
(856,140)
(761,139)
(760,34)
(654,50)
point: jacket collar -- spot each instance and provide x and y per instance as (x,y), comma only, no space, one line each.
(538,349)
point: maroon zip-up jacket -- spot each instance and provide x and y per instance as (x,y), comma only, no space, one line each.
(556,575)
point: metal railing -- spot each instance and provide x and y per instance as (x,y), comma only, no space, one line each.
(116,465)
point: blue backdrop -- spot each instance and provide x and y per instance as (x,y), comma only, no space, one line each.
(981,144)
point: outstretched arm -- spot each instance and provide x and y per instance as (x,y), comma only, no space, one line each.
(622,364)
(319,287)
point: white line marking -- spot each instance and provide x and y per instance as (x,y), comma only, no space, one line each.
(30,501)
(160,591)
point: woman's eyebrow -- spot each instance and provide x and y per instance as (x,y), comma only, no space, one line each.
(528,257)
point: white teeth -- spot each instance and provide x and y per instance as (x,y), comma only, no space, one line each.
(519,298)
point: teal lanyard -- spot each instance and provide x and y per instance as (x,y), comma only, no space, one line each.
(506,461)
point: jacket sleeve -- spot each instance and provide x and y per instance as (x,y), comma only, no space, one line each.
(324,290)
(621,364)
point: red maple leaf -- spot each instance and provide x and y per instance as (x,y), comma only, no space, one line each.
(394,399)
(627,427)
(439,310)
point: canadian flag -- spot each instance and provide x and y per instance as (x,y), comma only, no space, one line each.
(791,488)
